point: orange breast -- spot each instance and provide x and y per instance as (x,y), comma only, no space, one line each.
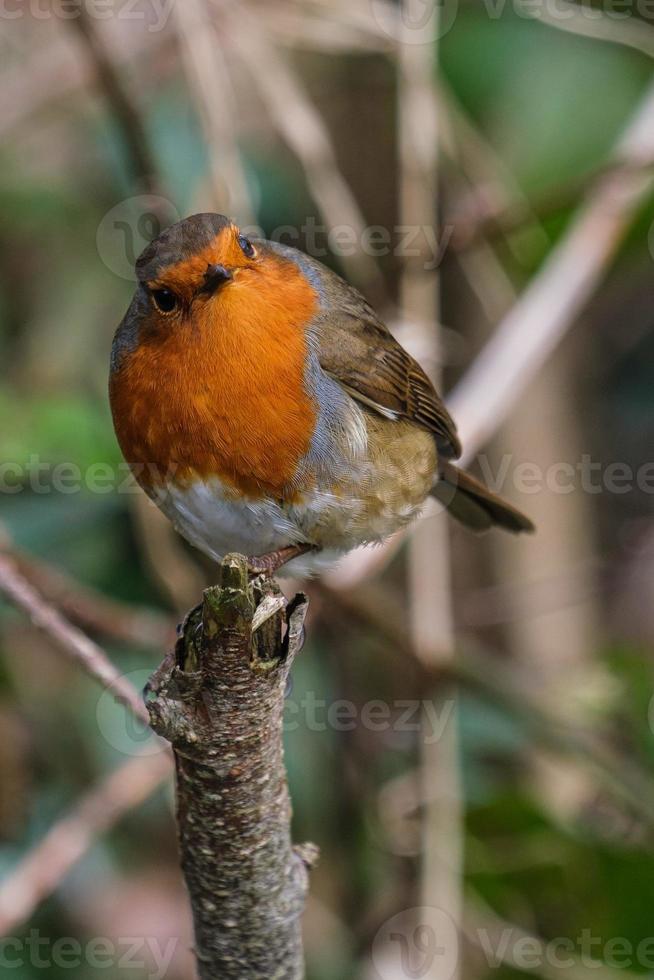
(223,393)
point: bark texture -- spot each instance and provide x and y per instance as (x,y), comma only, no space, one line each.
(219,701)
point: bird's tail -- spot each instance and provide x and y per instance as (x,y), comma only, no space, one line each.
(470,502)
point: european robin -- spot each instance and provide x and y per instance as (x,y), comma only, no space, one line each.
(266,409)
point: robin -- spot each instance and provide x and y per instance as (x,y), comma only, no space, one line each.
(266,409)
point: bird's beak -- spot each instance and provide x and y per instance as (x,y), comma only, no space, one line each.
(214,277)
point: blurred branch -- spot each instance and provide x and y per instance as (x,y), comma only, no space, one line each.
(477,167)
(247,884)
(511,601)
(320,28)
(170,564)
(128,116)
(431,623)
(41,872)
(558,652)
(214,96)
(508,688)
(68,638)
(486,216)
(493,196)
(541,316)
(555,297)
(90,609)
(487,931)
(303,129)
(52,74)
(630,30)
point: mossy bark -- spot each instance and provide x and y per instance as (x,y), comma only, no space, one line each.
(219,701)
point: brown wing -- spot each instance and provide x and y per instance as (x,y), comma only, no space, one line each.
(361,353)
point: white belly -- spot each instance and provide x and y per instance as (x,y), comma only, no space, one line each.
(208,516)
(382,493)
(213,521)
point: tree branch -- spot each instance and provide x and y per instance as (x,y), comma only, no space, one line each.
(89,608)
(555,297)
(430,600)
(304,131)
(541,316)
(219,701)
(214,98)
(68,638)
(631,32)
(41,872)
(126,112)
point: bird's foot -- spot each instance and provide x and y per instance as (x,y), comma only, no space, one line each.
(274,560)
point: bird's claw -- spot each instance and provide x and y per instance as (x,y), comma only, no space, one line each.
(271,563)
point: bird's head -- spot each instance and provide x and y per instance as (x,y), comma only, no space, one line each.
(191,264)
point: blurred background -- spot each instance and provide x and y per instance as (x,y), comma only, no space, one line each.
(469,734)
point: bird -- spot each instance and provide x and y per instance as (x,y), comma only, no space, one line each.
(267,410)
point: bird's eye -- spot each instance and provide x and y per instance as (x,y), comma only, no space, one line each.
(164,300)
(247,247)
